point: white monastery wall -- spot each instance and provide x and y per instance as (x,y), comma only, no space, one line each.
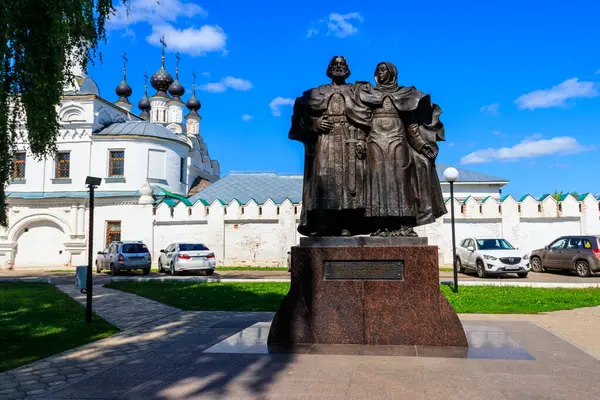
(55,234)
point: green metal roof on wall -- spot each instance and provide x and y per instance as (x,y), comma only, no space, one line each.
(465,200)
(486,199)
(582,197)
(506,196)
(544,197)
(523,198)
(175,196)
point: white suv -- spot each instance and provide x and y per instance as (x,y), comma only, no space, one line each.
(491,257)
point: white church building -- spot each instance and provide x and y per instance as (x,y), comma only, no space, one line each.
(159,185)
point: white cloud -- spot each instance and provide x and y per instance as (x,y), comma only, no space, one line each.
(598,71)
(152,12)
(192,41)
(340,25)
(557,95)
(312,32)
(278,102)
(163,16)
(229,82)
(531,147)
(246,117)
(491,109)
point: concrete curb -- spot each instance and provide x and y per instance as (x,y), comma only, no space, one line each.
(552,285)
(32,279)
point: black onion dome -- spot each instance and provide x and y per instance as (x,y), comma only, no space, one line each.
(161,80)
(144,103)
(123,90)
(193,103)
(176,89)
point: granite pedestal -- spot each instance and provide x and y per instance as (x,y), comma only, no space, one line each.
(333,299)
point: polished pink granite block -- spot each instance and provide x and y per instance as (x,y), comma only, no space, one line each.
(411,311)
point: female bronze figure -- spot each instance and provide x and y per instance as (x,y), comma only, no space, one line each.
(399,159)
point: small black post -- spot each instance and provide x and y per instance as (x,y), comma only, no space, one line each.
(89,283)
(453,237)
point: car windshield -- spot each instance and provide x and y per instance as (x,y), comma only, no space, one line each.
(192,247)
(130,248)
(493,244)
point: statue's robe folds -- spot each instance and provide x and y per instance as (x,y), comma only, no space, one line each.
(334,170)
(402,182)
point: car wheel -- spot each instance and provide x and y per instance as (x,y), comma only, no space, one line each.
(459,267)
(481,269)
(113,270)
(146,271)
(160,267)
(522,274)
(209,272)
(173,273)
(583,268)
(536,265)
(98,269)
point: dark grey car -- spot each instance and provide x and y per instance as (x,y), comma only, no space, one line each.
(578,253)
(124,256)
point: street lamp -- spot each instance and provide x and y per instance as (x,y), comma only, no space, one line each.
(451,176)
(92,183)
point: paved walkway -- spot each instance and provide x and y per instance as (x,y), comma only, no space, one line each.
(123,310)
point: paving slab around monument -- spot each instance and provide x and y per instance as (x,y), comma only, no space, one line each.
(184,367)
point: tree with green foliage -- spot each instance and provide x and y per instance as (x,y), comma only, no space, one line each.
(557,195)
(36,37)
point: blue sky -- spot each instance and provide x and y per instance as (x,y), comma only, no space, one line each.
(518,82)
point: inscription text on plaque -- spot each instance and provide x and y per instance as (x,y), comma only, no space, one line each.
(364,270)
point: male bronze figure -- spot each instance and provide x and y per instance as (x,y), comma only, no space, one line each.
(333,126)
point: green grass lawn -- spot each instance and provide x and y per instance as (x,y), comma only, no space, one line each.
(37,320)
(519,300)
(266,296)
(263,296)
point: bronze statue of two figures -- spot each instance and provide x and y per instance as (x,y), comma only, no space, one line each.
(370,155)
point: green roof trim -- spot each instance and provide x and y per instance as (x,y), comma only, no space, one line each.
(467,199)
(544,197)
(505,197)
(523,198)
(171,195)
(204,202)
(563,197)
(486,199)
(582,197)
(170,202)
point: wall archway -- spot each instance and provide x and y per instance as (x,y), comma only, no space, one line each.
(40,242)
(15,231)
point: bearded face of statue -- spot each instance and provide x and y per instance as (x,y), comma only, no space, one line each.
(338,68)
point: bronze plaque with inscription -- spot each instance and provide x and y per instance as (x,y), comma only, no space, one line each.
(364,270)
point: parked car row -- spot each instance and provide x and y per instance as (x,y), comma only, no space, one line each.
(496,256)
(177,257)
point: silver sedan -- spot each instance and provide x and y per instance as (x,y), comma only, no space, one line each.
(178,257)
